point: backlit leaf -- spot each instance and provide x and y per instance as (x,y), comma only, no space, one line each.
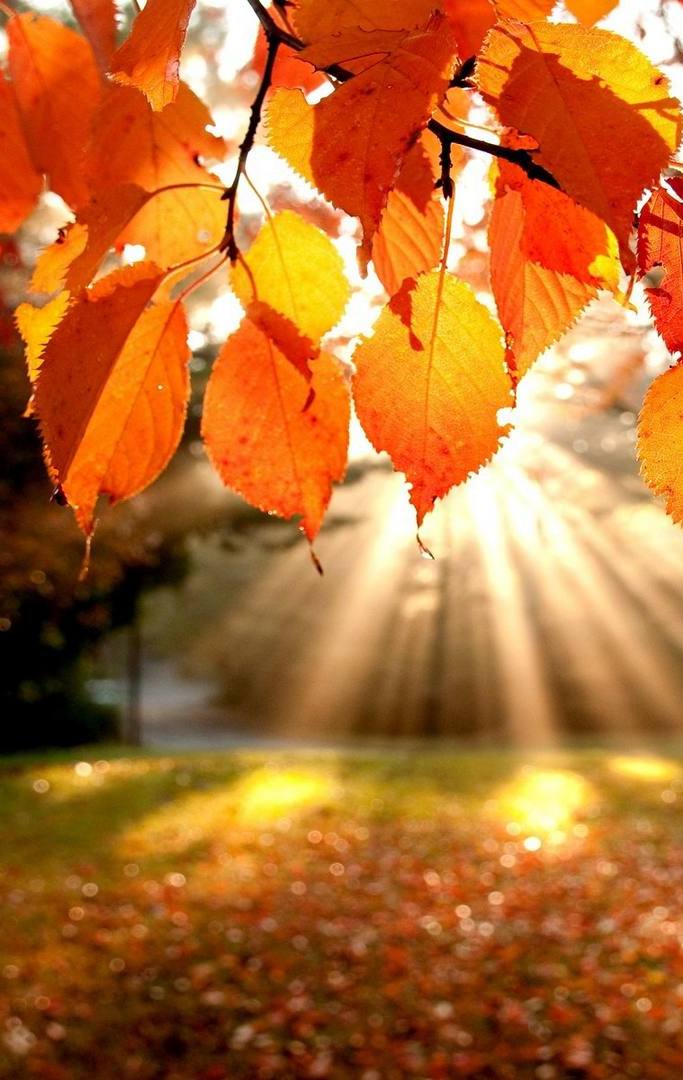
(56,85)
(298,271)
(429,384)
(111,422)
(289,70)
(150,57)
(98,20)
(602,115)
(410,233)
(362,132)
(133,144)
(590,11)
(660,439)
(20,183)
(316,19)
(549,257)
(660,247)
(273,437)
(73,260)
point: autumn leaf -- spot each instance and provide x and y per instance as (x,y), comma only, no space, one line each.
(295,346)
(429,385)
(56,85)
(296,269)
(98,21)
(133,144)
(524,10)
(549,257)
(316,19)
(272,437)
(601,113)
(660,247)
(20,183)
(289,70)
(355,140)
(590,11)
(408,241)
(111,424)
(660,439)
(149,59)
(72,261)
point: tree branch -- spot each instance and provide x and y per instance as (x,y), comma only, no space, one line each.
(228,243)
(277,36)
(522,158)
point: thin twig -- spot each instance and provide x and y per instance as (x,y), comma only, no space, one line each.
(518,157)
(228,242)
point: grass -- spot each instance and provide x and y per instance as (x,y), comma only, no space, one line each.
(372,916)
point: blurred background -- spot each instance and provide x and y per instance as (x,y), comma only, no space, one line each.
(553,610)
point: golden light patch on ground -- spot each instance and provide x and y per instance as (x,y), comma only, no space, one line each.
(645,768)
(543,804)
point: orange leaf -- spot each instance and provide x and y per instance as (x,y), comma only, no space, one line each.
(98,21)
(660,439)
(111,422)
(590,11)
(56,84)
(471,20)
(316,19)
(133,144)
(268,438)
(298,349)
(73,260)
(409,237)
(149,59)
(360,134)
(660,244)
(297,270)
(549,257)
(289,70)
(20,184)
(429,384)
(601,113)
(524,10)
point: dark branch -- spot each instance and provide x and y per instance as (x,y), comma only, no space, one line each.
(228,242)
(277,36)
(273,31)
(522,158)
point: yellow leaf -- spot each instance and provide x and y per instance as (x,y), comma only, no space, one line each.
(298,271)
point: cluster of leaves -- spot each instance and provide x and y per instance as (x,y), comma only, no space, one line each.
(379,919)
(585,125)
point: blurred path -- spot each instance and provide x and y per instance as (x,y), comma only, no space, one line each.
(553,609)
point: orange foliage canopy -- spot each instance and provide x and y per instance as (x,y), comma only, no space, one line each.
(368,101)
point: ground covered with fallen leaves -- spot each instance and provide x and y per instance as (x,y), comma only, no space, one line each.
(374,916)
